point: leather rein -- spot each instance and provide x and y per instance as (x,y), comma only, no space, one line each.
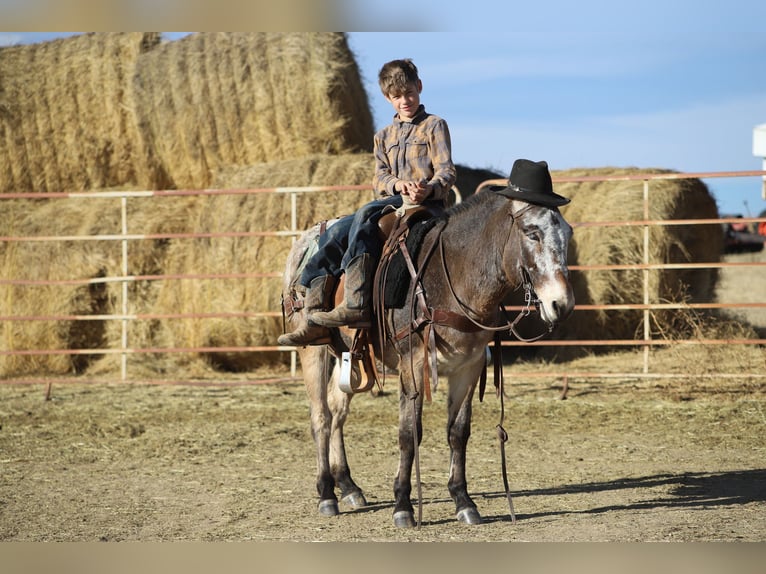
(530,298)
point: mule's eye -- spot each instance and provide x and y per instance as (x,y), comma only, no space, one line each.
(532,234)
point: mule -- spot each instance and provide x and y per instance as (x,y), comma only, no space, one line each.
(469,260)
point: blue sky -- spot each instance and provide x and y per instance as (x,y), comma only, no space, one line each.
(677,85)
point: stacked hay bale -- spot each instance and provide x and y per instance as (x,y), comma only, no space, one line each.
(80,261)
(213,100)
(255,212)
(237,111)
(112,109)
(67,115)
(620,245)
(54,261)
(174,115)
(236,255)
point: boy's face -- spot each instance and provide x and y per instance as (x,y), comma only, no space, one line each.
(406,104)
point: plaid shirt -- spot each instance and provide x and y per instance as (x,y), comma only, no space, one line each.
(414,150)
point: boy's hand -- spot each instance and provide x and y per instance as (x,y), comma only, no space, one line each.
(417,191)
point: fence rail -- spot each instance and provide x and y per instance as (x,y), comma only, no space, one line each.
(124,278)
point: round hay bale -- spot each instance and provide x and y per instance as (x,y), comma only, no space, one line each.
(67,117)
(211,100)
(150,216)
(314,170)
(623,201)
(83,260)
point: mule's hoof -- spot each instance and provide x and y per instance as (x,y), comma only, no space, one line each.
(355,500)
(404,519)
(469,516)
(328,508)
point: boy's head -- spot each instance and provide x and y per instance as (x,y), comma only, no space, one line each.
(397,76)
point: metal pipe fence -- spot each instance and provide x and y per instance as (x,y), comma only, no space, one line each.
(271,279)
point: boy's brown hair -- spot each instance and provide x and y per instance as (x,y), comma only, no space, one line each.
(396,75)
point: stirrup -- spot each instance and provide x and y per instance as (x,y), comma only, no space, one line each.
(360,352)
(344,382)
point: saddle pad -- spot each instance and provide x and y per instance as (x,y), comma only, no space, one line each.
(398,276)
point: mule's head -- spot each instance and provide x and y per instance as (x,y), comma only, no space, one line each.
(542,238)
(539,251)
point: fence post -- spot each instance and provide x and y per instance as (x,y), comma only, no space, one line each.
(293,227)
(124,241)
(647,327)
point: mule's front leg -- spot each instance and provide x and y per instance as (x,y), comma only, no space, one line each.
(410,418)
(458,433)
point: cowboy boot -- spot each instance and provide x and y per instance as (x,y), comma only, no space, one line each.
(317,297)
(355,310)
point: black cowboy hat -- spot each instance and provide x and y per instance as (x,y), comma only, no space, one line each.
(530,181)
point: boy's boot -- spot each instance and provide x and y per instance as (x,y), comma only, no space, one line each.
(355,310)
(317,298)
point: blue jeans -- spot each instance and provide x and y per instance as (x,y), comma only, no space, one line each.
(364,235)
(332,245)
(353,235)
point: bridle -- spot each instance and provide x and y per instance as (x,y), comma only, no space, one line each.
(530,297)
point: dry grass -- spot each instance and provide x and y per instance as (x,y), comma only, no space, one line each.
(615,462)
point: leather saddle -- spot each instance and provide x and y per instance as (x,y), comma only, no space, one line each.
(392,226)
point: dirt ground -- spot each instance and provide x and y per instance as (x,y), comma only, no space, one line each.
(621,461)
(680,459)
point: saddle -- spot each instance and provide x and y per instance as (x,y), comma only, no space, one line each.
(395,276)
(392,225)
(393,228)
(396,230)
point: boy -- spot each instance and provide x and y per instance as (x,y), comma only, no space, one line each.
(413,164)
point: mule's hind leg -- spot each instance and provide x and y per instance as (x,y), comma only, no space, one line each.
(329,408)
(316,369)
(339,405)
(461,388)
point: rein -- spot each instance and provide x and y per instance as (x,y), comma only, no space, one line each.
(530,298)
(429,317)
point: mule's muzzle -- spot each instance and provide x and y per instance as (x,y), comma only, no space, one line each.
(563,309)
(557,309)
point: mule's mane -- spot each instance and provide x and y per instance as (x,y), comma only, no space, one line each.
(484,196)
